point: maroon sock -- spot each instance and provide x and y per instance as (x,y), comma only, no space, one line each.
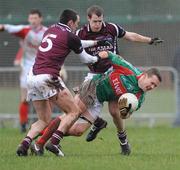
(56,137)
(26,142)
(48,131)
(122,136)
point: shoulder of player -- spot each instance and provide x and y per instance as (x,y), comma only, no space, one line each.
(60,27)
(72,36)
(111,25)
(44,28)
(82,30)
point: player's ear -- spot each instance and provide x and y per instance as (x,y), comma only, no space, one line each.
(145,75)
(70,23)
(88,18)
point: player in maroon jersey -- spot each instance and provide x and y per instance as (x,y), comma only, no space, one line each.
(45,87)
(97,29)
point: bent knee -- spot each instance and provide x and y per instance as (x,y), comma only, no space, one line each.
(39,124)
(75,114)
(78,132)
(114,113)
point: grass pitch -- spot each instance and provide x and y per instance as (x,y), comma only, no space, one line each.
(152,149)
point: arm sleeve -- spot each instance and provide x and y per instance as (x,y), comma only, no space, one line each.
(87,43)
(86,58)
(18,30)
(74,43)
(119,31)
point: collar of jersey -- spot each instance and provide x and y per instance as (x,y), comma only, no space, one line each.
(64,25)
(39,28)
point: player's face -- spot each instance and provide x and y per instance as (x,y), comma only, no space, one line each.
(148,83)
(95,22)
(34,20)
(75,25)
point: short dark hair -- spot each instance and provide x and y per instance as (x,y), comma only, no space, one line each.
(154,71)
(95,9)
(36,11)
(67,15)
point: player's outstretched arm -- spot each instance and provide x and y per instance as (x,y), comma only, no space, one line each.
(132,36)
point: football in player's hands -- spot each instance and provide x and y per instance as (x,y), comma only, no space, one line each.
(127,103)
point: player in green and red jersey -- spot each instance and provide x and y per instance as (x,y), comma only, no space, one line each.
(123,79)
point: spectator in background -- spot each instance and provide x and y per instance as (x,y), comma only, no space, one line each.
(31,36)
(176,65)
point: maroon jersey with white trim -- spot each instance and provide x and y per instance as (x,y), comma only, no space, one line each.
(108,31)
(57,43)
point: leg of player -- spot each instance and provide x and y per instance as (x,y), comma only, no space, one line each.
(81,125)
(38,147)
(23,110)
(97,126)
(120,125)
(67,103)
(43,110)
(52,125)
(78,128)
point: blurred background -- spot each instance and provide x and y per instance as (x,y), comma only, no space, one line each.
(154,18)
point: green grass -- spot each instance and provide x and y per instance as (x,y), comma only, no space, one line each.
(152,149)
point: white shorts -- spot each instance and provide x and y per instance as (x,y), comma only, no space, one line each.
(37,87)
(94,110)
(23,76)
